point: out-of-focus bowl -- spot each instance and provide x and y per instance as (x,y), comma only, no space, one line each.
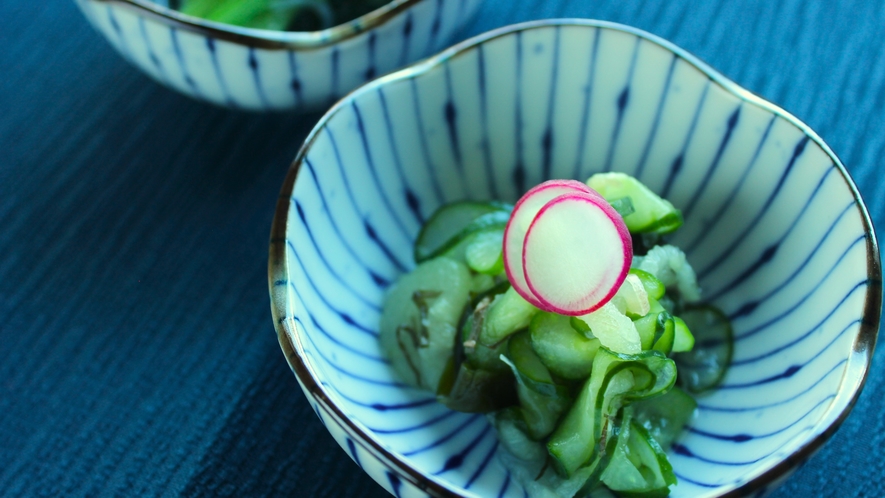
(263,70)
(774,226)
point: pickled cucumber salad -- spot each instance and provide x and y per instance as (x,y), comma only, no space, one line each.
(565,318)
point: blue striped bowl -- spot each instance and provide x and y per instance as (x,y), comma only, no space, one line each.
(774,227)
(263,70)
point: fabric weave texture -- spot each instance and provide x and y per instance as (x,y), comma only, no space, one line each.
(137,352)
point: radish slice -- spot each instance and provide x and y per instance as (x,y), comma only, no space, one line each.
(576,254)
(522,216)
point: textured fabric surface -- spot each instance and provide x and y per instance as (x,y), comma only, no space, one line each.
(137,352)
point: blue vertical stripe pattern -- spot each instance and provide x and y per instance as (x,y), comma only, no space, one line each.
(155,60)
(586,107)
(332,74)
(621,103)
(210,44)
(182,64)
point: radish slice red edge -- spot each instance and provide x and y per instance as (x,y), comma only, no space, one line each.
(576,254)
(521,218)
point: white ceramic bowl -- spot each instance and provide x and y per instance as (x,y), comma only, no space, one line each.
(264,70)
(775,228)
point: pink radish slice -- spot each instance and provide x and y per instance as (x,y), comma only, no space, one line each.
(576,254)
(522,216)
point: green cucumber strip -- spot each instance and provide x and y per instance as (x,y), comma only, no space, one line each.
(574,442)
(665,333)
(647,325)
(420,317)
(542,401)
(453,222)
(622,473)
(623,205)
(704,367)
(581,327)
(475,390)
(477,354)
(484,253)
(611,386)
(467,347)
(481,283)
(529,369)
(565,351)
(651,213)
(456,248)
(617,435)
(683,339)
(653,457)
(541,412)
(640,467)
(666,416)
(511,429)
(507,314)
(653,286)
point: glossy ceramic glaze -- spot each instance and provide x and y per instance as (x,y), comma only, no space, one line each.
(775,229)
(264,70)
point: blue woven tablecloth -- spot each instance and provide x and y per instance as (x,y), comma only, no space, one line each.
(137,352)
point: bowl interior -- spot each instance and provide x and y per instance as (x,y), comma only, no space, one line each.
(774,228)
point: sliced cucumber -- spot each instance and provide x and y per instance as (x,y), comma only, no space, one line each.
(665,333)
(632,299)
(651,213)
(683,339)
(565,351)
(475,390)
(622,472)
(453,222)
(654,287)
(542,400)
(484,253)
(581,327)
(639,466)
(614,329)
(704,367)
(469,348)
(540,411)
(420,319)
(623,205)
(507,314)
(482,283)
(666,416)
(615,381)
(530,368)
(511,430)
(648,325)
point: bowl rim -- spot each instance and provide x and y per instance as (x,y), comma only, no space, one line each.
(858,362)
(266,38)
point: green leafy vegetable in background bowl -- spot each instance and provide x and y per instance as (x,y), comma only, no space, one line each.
(278,15)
